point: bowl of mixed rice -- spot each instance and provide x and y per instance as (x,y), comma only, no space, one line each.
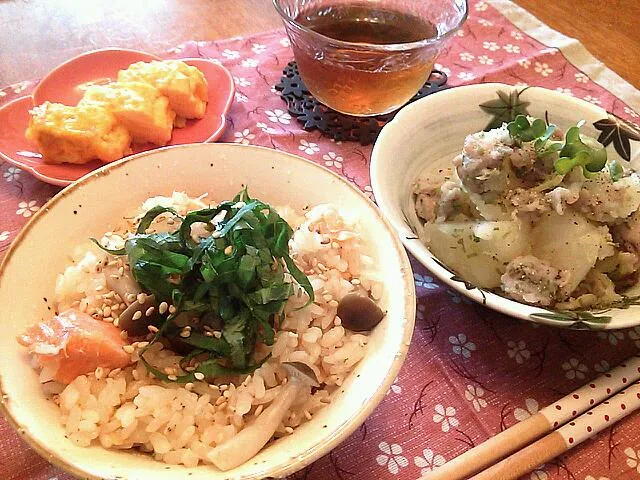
(139,349)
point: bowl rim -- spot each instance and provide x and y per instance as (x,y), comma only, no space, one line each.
(344,430)
(422,253)
(394,47)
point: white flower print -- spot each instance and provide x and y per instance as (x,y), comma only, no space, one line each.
(244,137)
(566,91)
(602,366)
(391,457)
(481,6)
(241,97)
(266,128)
(531,406)
(484,60)
(241,82)
(442,68)
(461,346)
(26,209)
(230,54)
(517,35)
(20,86)
(457,298)
(630,112)
(249,63)
(394,388)
(518,351)
(466,76)
(474,395)
(278,116)
(635,335)
(549,51)
(594,100)
(484,22)
(258,48)
(466,56)
(425,281)
(633,458)
(332,159)
(613,336)
(11,174)
(446,417)
(581,77)
(285,42)
(543,69)
(524,63)
(511,48)
(491,46)
(574,369)
(308,147)
(4,235)
(429,461)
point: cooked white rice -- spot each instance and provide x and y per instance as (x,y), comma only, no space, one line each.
(182,424)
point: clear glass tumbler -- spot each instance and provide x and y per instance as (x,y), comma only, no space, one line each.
(368,57)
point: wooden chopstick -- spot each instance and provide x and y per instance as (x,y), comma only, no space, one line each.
(546,420)
(575,432)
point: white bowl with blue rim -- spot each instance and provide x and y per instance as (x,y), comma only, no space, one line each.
(425,136)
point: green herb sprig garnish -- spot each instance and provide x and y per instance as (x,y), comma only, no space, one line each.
(235,281)
(575,151)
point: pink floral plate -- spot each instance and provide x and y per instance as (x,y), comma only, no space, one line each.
(63,84)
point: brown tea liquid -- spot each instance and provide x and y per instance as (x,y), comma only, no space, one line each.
(359,82)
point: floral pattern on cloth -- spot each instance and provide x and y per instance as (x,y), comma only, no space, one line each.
(470,372)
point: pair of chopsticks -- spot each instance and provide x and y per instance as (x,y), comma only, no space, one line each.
(552,431)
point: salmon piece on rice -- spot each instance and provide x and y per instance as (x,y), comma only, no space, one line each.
(77,342)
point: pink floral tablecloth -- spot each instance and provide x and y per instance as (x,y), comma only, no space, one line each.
(470,372)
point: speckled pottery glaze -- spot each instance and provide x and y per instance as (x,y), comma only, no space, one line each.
(88,207)
(426,135)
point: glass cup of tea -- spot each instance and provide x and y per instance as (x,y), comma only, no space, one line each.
(368,57)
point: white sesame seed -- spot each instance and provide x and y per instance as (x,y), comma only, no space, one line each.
(142,297)
(228,250)
(327,297)
(137,315)
(258,410)
(223,387)
(99,287)
(199,375)
(99,373)
(289,430)
(136,375)
(215,387)
(355,281)
(172,378)
(106,311)
(307,414)
(150,311)
(185,333)
(131,297)
(143,344)
(114,372)
(121,271)
(163,307)
(188,386)
(337,321)
(220,400)
(226,393)
(217,334)
(332,303)
(335,245)
(128,348)
(172,309)
(208,333)
(152,329)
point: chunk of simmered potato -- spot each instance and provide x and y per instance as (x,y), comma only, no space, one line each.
(570,242)
(478,251)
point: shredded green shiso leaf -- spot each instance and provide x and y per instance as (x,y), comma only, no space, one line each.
(575,151)
(238,279)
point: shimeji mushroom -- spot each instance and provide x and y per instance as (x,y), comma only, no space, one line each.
(250,440)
